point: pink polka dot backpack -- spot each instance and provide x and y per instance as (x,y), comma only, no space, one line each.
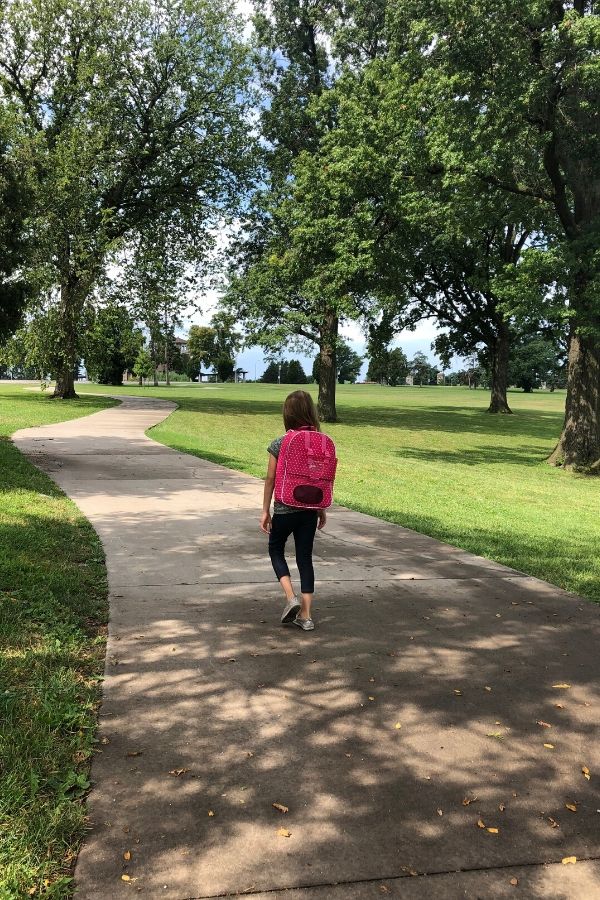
(306,468)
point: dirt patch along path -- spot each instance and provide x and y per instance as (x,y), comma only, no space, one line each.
(425,701)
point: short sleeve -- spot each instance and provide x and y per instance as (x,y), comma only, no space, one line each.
(274,447)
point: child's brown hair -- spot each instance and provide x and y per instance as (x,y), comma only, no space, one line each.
(299,411)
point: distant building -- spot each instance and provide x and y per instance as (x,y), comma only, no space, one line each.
(440,378)
(410,380)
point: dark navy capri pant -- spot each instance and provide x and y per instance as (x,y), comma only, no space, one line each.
(302,525)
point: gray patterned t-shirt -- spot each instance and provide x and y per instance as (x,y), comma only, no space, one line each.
(274,448)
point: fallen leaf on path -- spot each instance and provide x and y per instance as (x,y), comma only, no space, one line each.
(495,734)
(487,688)
(134,753)
(249,753)
(440,812)
(283,832)
(384,889)
(468,800)
(178,772)
(559,705)
(210,813)
(371,679)
(457,692)
(568,859)
(493,830)
(349,755)
(127,855)
(571,806)
(371,698)
(502,807)
(280,807)
(586,772)
(549,746)
(408,870)
(514,881)
(553,822)
(397,725)
(562,684)
(125,878)
(104,740)
(480,823)
(543,724)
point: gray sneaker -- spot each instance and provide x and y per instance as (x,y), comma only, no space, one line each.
(292,607)
(304,624)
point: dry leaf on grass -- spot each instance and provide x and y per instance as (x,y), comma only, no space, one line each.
(280,807)
(571,806)
(586,772)
(283,832)
(568,859)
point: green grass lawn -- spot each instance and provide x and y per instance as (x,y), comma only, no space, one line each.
(53,611)
(427,458)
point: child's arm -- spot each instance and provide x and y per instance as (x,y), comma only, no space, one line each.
(265,519)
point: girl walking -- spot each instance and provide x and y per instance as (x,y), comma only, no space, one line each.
(302,519)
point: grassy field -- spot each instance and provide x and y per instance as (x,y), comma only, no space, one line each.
(427,458)
(53,609)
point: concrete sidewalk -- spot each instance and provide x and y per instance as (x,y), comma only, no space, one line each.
(419,706)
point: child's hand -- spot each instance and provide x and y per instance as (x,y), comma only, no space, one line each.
(265,522)
(322,519)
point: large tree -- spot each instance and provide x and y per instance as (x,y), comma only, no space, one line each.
(129,111)
(508,95)
(112,344)
(277,299)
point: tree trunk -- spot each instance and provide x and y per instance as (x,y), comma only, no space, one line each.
(579,444)
(499,352)
(328,369)
(69,323)
(65,385)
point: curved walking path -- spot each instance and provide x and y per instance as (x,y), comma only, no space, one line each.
(426,685)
